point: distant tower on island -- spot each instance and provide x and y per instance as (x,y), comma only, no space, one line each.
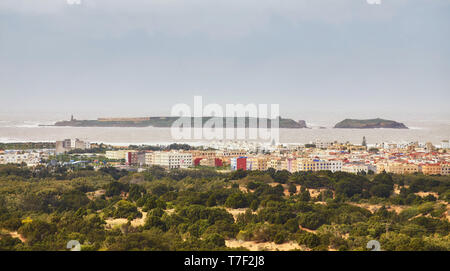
(364,143)
(71,118)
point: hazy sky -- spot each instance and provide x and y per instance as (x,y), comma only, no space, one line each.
(316,58)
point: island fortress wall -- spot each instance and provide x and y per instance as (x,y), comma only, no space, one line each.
(124,119)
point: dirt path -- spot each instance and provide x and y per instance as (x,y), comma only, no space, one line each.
(305,229)
(267,246)
(15,234)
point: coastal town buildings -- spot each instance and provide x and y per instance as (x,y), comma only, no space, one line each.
(29,157)
(396,158)
(66,145)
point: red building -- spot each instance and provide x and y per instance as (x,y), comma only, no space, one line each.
(241,163)
(197,161)
(129,158)
(218,162)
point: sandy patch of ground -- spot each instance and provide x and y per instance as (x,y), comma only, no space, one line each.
(313,192)
(396,189)
(268,246)
(374,207)
(169,211)
(15,234)
(113,222)
(447,213)
(243,189)
(424,194)
(236,212)
(95,194)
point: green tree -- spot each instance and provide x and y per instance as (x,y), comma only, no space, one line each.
(237,200)
(126,209)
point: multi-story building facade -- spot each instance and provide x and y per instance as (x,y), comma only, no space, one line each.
(306,165)
(29,157)
(355,168)
(323,144)
(71,144)
(211,162)
(118,155)
(172,159)
(148,158)
(231,153)
(445,169)
(401,168)
(237,163)
(318,165)
(431,169)
(135,158)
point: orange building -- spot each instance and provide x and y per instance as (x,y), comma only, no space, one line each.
(431,169)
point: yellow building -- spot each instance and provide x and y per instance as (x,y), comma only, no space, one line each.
(402,168)
(117,155)
(283,164)
(274,163)
(410,168)
(306,165)
(262,163)
(431,169)
(252,163)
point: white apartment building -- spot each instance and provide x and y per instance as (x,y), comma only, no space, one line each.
(71,144)
(31,158)
(79,144)
(355,168)
(172,159)
(332,165)
(318,165)
(148,157)
(322,144)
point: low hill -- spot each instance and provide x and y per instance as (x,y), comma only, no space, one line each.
(369,124)
(168,121)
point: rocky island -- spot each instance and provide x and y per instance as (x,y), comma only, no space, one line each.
(369,124)
(166,122)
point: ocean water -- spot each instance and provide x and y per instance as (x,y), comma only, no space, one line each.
(30,131)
